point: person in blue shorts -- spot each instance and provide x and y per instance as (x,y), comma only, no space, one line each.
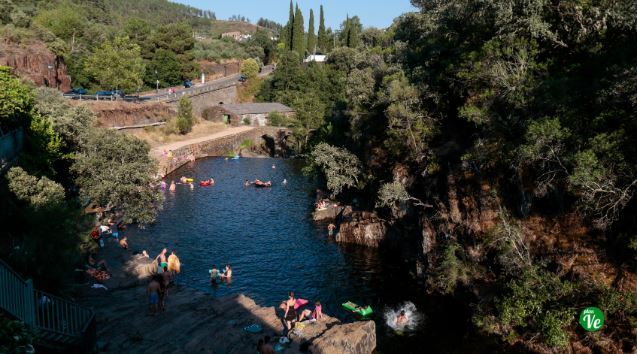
(153,295)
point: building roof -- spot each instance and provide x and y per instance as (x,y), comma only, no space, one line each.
(256,108)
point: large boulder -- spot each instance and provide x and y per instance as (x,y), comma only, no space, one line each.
(351,338)
(362,228)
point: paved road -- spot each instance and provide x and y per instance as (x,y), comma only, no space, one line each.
(209,86)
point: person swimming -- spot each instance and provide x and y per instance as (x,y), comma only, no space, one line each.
(285,181)
(246,183)
(227,274)
(402,319)
(214,274)
(172,186)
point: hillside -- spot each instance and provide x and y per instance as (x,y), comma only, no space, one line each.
(137,42)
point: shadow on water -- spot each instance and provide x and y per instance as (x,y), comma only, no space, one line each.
(268,236)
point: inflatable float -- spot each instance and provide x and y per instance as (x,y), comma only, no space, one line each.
(363,311)
(205,183)
(299,303)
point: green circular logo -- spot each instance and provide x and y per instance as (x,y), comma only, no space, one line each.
(591,319)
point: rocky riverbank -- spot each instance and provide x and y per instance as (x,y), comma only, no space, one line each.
(194,321)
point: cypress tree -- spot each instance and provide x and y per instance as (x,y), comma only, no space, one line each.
(311,37)
(353,39)
(289,29)
(298,36)
(323,43)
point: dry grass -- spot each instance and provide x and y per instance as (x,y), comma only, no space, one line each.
(156,135)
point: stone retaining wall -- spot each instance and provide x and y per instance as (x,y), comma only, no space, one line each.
(214,147)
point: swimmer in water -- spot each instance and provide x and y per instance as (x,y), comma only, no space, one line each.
(172,186)
(285,181)
(402,319)
(273,166)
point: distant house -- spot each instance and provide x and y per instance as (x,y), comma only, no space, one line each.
(316,58)
(246,113)
(236,35)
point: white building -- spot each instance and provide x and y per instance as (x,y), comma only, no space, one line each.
(316,58)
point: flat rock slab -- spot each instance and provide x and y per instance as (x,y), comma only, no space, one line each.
(195,322)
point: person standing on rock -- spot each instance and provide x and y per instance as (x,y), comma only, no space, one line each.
(153,295)
(290,311)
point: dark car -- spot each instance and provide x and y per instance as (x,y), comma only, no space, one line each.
(187,84)
(77,91)
(119,93)
(242,78)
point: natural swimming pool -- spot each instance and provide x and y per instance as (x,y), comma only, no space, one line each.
(268,236)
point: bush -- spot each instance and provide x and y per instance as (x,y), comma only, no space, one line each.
(277,119)
(250,68)
(185,120)
(247,121)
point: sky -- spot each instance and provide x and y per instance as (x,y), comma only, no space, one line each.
(373,13)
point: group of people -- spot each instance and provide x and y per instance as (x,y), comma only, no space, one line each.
(216,275)
(157,290)
(292,315)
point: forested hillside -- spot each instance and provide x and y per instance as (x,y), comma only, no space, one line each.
(128,44)
(497,138)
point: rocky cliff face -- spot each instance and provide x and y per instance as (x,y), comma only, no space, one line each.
(34,62)
(362,228)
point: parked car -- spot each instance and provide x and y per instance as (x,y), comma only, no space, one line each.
(119,93)
(77,91)
(242,78)
(187,84)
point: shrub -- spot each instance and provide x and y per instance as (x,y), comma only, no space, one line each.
(277,119)
(185,120)
(249,68)
(247,121)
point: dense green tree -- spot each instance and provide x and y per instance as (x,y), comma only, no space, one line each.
(16,100)
(288,31)
(140,32)
(66,22)
(351,29)
(323,39)
(165,67)
(116,170)
(117,64)
(340,167)
(178,38)
(311,36)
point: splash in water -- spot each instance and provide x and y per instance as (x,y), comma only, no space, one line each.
(409,322)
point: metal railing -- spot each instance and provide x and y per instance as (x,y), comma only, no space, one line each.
(42,311)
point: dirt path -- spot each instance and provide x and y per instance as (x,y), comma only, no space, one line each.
(157,150)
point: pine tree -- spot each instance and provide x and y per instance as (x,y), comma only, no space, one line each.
(311,37)
(323,41)
(298,36)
